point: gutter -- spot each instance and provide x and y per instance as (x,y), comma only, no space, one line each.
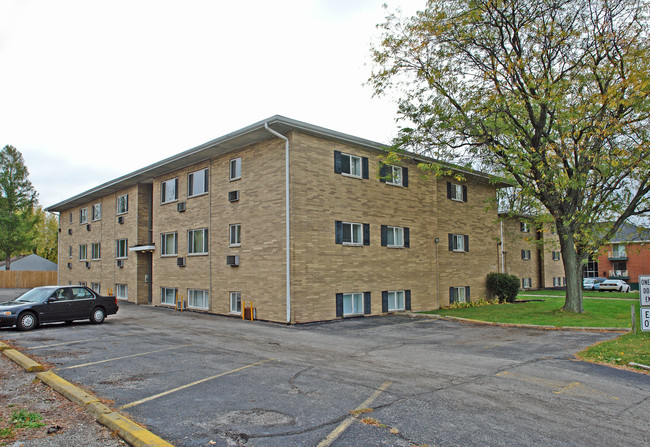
(286,213)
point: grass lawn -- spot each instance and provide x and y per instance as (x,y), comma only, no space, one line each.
(634,295)
(620,351)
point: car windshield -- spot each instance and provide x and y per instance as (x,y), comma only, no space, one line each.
(34,296)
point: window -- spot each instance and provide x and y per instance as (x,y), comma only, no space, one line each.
(235,235)
(71,217)
(459,295)
(393,175)
(396,301)
(169,244)
(95,287)
(198,242)
(168,295)
(525,254)
(555,255)
(169,191)
(197,183)
(83,215)
(351,165)
(352,233)
(95,252)
(394,236)
(235,302)
(557,282)
(96,211)
(235,168)
(526,283)
(83,252)
(123,204)
(70,251)
(198,299)
(618,251)
(456,192)
(352,304)
(121,291)
(525,227)
(458,242)
(76,292)
(121,248)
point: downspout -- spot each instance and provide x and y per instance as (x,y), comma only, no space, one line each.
(286,213)
(503,265)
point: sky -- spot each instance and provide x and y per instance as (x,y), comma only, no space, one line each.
(91,90)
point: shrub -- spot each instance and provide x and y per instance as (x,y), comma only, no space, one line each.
(503,286)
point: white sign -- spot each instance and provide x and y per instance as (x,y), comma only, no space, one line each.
(644,290)
(645,318)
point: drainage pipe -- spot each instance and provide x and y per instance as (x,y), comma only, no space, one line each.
(286,213)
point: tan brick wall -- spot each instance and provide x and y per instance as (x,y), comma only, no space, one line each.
(514,240)
(551,268)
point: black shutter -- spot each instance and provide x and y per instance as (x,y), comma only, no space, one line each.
(467,299)
(449,190)
(337,162)
(175,189)
(405,177)
(190,185)
(383,173)
(206,180)
(364,167)
(407,237)
(384,301)
(466,237)
(366,234)
(339,304)
(407,299)
(464,193)
(452,295)
(345,163)
(366,303)
(384,236)
(338,232)
(523,254)
(162,192)
(126,203)
(451,242)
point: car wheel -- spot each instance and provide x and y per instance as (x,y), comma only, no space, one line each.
(26,321)
(98,316)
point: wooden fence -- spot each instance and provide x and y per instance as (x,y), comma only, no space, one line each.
(25,279)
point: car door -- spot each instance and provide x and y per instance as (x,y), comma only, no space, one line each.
(56,306)
(81,304)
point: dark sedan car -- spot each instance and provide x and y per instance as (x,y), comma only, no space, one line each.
(56,303)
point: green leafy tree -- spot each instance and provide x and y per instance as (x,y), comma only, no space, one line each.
(47,235)
(553,93)
(17,199)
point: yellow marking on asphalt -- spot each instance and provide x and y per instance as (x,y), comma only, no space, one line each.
(156,396)
(338,431)
(572,388)
(124,357)
(62,343)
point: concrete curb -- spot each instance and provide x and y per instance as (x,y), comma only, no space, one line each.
(21,359)
(4,346)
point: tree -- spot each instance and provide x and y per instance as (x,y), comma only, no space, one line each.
(17,200)
(47,234)
(553,93)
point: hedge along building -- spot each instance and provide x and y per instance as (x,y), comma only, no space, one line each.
(210,226)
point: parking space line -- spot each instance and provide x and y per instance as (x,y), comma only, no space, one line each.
(124,357)
(147,399)
(61,344)
(338,431)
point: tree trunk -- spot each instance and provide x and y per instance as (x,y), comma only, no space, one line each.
(573,271)
(8,263)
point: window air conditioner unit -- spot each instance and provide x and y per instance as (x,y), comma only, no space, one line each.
(88,227)
(232,260)
(69,265)
(180,207)
(70,231)
(180,262)
(233,196)
(120,220)
(120,263)
(59,230)
(87,264)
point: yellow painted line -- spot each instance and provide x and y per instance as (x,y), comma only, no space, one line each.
(156,396)
(338,431)
(61,344)
(140,354)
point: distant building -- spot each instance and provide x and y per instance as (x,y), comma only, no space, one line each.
(29,263)
(626,256)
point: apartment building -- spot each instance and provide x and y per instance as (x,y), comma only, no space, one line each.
(209,227)
(531,253)
(626,256)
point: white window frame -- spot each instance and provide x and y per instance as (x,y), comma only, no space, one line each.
(526,283)
(96,212)
(358,164)
(95,251)
(83,216)
(619,251)
(190,242)
(396,177)
(525,255)
(194,302)
(235,303)
(458,242)
(122,204)
(71,217)
(525,227)
(396,300)
(235,168)
(95,287)
(235,235)
(164,295)
(355,306)
(555,255)
(165,189)
(352,226)
(121,291)
(557,281)
(204,174)
(397,233)
(119,242)
(83,252)
(460,295)
(457,192)
(164,249)
(70,252)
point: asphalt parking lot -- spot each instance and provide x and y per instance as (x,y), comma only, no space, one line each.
(194,379)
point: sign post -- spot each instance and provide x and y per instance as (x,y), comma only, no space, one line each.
(644,297)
